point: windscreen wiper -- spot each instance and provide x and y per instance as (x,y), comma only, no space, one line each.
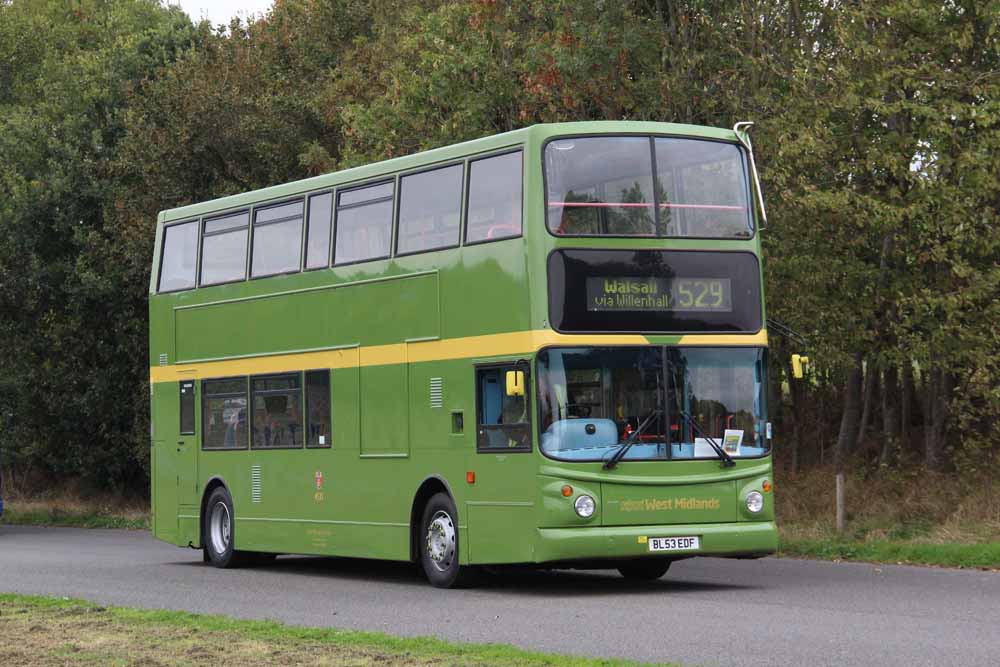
(623,449)
(727,460)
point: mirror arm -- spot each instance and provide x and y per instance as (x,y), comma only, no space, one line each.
(741,129)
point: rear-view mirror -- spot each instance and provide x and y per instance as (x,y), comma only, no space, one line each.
(515,383)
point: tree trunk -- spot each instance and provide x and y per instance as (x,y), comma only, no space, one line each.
(931,378)
(906,405)
(872,375)
(890,422)
(942,385)
(852,414)
(840,501)
(821,429)
(871,388)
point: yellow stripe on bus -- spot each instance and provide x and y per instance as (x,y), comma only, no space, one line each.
(491,345)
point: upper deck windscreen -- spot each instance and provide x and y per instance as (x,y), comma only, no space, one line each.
(605,186)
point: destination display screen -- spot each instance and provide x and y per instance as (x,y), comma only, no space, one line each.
(654,291)
(675,294)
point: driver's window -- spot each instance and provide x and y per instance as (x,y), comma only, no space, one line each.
(502,420)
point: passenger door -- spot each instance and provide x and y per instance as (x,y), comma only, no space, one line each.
(187,444)
(500,509)
(175,456)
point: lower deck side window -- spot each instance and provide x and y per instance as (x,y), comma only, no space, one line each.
(187,408)
(277,411)
(224,413)
(318,408)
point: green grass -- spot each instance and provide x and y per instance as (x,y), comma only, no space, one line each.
(49,516)
(41,631)
(985,556)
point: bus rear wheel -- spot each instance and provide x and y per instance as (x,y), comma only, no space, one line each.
(439,544)
(644,570)
(218,530)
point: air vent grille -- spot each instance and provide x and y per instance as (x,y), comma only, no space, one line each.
(163,359)
(437,392)
(255,483)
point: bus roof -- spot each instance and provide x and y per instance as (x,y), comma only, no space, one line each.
(495,142)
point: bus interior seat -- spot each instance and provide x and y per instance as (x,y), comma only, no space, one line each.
(581,433)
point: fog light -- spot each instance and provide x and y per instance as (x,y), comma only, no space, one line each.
(755,501)
(585,506)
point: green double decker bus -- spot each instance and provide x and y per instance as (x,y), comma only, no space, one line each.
(542,347)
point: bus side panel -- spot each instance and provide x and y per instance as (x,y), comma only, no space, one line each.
(440,448)
(164,464)
(501,533)
(155,444)
(371,313)
(369,419)
(384,407)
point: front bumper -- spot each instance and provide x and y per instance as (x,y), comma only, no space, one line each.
(756,538)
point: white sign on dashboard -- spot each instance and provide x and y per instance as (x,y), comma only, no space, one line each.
(731,441)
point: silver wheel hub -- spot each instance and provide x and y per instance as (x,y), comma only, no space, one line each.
(440,543)
(219,528)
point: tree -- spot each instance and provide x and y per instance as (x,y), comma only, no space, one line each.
(62,108)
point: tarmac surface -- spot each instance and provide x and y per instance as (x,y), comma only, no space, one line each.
(705,611)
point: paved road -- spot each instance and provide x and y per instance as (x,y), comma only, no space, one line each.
(705,611)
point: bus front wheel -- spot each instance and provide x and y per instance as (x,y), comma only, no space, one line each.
(439,544)
(218,530)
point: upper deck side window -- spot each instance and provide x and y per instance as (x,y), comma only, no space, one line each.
(364,223)
(224,248)
(350,224)
(180,250)
(430,210)
(494,201)
(605,186)
(277,239)
(318,234)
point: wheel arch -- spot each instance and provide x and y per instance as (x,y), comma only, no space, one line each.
(212,484)
(431,485)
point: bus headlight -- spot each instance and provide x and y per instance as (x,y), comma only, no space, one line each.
(755,501)
(585,506)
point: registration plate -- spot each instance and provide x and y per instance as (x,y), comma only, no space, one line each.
(673,543)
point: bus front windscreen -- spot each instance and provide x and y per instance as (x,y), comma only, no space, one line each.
(646,186)
(593,400)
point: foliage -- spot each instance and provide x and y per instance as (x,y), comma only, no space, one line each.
(876,136)
(71,347)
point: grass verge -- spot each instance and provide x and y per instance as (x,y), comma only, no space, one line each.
(71,509)
(913,517)
(983,556)
(37,631)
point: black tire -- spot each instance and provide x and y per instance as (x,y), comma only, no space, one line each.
(218,530)
(438,544)
(644,570)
